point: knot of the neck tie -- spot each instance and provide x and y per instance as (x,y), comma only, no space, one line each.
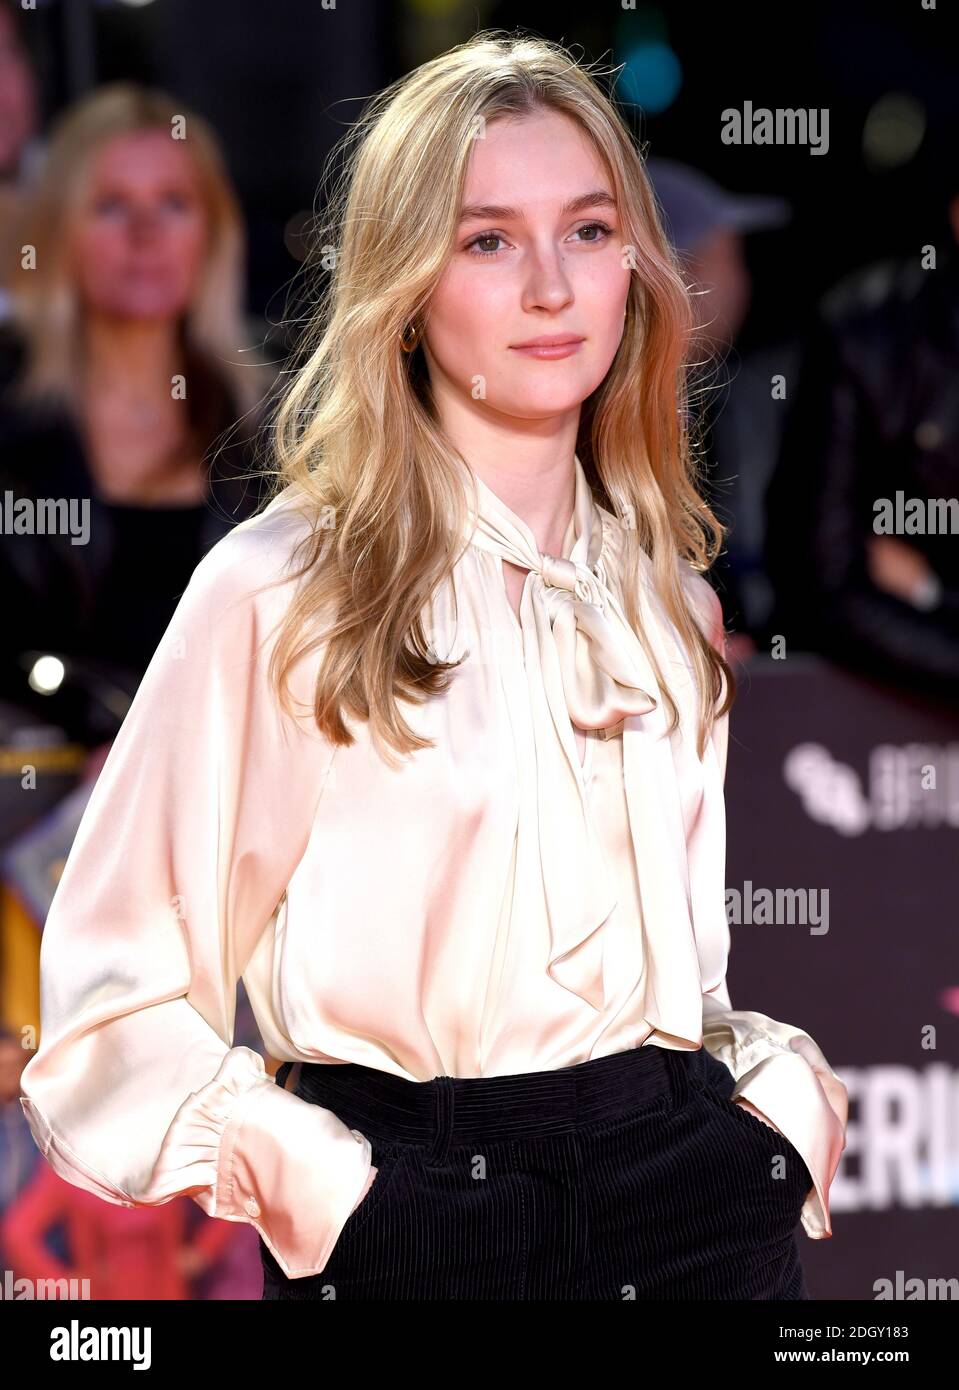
(603,680)
(576,579)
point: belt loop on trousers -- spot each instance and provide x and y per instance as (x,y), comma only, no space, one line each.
(442,1122)
(678,1076)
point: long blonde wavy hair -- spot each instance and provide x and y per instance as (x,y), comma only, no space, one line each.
(355,435)
(46,303)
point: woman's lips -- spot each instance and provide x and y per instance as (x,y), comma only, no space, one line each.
(550,351)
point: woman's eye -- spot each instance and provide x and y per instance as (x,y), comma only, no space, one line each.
(598,226)
(474,246)
(111,204)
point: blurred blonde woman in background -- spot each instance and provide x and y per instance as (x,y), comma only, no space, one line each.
(128,381)
(432,757)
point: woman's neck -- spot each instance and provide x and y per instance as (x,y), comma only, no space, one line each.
(542,494)
(140,354)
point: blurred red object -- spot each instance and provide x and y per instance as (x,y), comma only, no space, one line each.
(125,1252)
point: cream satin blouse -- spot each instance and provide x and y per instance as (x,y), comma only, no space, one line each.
(492,905)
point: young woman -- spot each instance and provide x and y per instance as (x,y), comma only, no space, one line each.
(432,756)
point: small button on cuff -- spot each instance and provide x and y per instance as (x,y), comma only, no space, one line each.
(357,1135)
(252,1206)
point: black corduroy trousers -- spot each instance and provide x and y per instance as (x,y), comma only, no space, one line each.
(632,1176)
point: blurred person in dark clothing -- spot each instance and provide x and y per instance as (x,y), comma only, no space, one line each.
(739,422)
(875,415)
(126,390)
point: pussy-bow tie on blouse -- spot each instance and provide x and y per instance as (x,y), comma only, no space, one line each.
(585,664)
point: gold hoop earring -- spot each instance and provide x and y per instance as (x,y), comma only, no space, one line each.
(409,344)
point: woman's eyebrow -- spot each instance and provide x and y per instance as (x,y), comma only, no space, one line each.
(495,212)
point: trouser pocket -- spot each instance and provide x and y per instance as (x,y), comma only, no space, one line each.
(388,1158)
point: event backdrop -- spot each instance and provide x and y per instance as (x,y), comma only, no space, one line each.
(843,799)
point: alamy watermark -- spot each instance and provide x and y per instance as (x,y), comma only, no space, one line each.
(83,1343)
(777,907)
(15,1287)
(915,516)
(915,1286)
(46,516)
(779,126)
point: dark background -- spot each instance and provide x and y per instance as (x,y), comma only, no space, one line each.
(281,80)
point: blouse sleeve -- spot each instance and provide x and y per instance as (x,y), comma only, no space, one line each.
(776,1066)
(198,819)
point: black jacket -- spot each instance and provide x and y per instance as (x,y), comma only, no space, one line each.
(876,412)
(55,593)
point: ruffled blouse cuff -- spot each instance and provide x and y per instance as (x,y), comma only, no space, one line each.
(247,1150)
